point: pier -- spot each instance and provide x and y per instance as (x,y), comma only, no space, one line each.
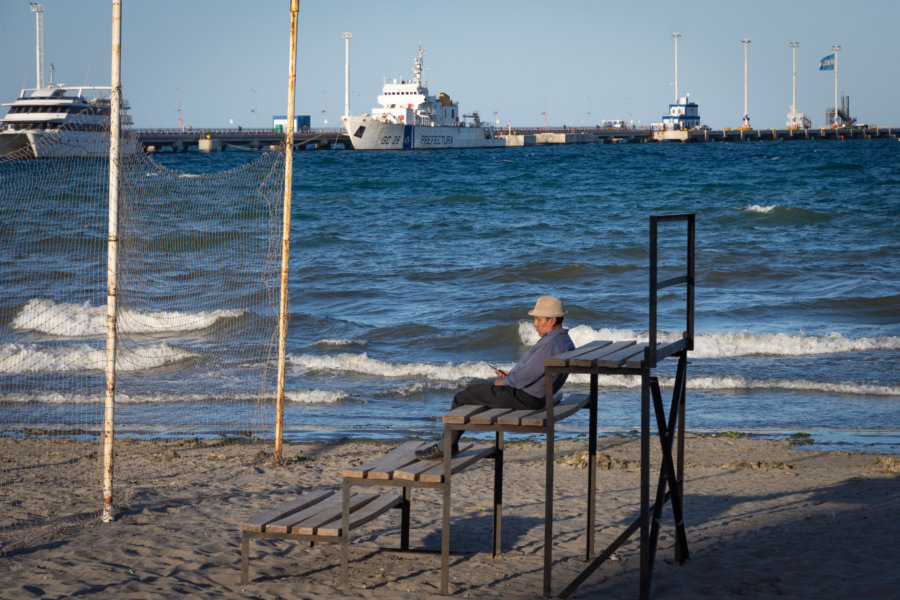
(209,140)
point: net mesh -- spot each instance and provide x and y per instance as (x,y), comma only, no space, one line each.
(198,281)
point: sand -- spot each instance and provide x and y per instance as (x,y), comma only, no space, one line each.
(764,520)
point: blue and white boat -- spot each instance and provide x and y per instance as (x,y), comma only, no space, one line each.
(409,118)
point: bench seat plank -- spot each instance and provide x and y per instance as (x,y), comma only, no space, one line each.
(328,514)
(258,522)
(284,524)
(362,515)
(461,414)
(562,360)
(412,471)
(560,412)
(488,417)
(516,416)
(602,357)
(457,463)
(384,465)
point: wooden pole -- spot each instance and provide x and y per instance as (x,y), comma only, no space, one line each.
(112,258)
(286,233)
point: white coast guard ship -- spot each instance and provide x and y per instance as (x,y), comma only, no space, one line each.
(411,119)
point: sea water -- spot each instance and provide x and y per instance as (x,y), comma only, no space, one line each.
(412,271)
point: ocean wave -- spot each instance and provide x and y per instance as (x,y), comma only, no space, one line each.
(362,363)
(83,320)
(721,383)
(18,359)
(339,343)
(731,344)
(315,396)
(760,209)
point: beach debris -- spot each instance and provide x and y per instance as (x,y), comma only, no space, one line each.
(886,464)
(579,460)
(800,439)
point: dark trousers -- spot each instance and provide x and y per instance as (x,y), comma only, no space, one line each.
(494,396)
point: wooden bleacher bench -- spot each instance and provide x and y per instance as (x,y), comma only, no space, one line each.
(315,516)
(401,464)
(498,418)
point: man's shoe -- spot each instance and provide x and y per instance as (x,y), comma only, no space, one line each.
(435,452)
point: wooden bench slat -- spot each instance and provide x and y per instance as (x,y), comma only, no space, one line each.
(411,472)
(383,466)
(487,417)
(617,359)
(560,412)
(457,463)
(328,514)
(561,360)
(515,417)
(461,414)
(283,525)
(258,522)
(362,515)
(601,356)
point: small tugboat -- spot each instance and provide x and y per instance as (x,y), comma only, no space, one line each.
(409,118)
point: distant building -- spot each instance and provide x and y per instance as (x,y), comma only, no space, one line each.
(682,115)
(301,122)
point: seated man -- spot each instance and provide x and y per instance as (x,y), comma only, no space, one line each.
(522,387)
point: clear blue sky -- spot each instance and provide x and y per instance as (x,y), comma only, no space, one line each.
(614,59)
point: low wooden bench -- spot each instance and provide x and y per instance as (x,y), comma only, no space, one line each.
(316,517)
(401,468)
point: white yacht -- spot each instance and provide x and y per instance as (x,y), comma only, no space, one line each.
(58,121)
(409,118)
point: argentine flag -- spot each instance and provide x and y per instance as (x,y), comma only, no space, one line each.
(827,63)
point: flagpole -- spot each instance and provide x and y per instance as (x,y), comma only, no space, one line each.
(836,50)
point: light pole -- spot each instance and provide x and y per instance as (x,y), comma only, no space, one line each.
(589,111)
(676,35)
(178,110)
(346,37)
(38,10)
(836,117)
(746,124)
(324,109)
(255,109)
(793,116)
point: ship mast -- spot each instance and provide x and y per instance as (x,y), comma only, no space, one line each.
(417,66)
(38,10)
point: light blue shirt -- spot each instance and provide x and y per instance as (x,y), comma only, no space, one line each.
(528,374)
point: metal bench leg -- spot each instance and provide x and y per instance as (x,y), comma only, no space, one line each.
(345,534)
(445,520)
(592,469)
(548,514)
(498,494)
(404,519)
(245,557)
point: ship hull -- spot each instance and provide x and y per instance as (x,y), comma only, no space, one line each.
(58,144)
(367,133)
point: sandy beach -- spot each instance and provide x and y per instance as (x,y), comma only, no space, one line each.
(764,520)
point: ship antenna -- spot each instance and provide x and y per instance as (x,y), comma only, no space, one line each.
(417,66)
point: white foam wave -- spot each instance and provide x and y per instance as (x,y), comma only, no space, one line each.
(361,363)
(83,320)
(340,342)
(743,383)
(315,396)
(730,344)
(30,358)
(760,209)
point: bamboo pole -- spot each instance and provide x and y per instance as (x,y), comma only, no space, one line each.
(112,257)
(286,233)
